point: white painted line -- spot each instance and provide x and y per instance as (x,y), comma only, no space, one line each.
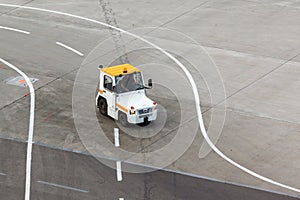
(15,30)
(121,198)
(2,174)
(191,80)
(119,171)
(70,48)
(63,186)
(116,134)
(30,131)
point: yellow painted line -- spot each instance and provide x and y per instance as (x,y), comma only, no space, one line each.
(122,108)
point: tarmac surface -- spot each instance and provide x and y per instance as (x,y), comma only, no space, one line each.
(60,174)
(255,46)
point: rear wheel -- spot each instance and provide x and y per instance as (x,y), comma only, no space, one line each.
(123,119)
(103,106)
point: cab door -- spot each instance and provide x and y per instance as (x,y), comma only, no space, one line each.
(109,95)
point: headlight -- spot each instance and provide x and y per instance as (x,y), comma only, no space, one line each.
(132,110)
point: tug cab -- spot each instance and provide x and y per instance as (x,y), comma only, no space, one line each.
(122,95)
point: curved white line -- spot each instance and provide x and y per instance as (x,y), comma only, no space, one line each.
(15,30)
(192,82)
(70,48)
(30,131)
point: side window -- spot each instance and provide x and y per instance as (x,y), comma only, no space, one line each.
(108,83)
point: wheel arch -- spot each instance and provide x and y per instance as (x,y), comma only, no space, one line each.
(98,99)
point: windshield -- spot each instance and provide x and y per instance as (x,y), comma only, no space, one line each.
(129,82)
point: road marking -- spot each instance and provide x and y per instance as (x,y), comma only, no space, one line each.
(117,138)
(63,186)
(191,80)
(119,171)
(70,48)
(30,131)
(15,30)
(121,198)
(2,174)
(19,81)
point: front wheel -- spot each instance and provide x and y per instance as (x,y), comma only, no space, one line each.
(123,119)
(103,106)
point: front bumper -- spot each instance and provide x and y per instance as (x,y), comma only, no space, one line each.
(140,118)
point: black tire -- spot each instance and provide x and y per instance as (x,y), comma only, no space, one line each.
(102,106)
(123,119)
(145,123)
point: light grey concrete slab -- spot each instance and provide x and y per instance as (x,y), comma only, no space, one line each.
(276,96)
(259,28)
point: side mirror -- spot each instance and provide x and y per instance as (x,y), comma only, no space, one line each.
(150,82)
(100,66)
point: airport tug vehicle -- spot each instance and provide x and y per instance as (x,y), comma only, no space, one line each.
(122,95)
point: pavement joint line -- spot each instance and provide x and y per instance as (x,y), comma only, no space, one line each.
(70,48)
(25,3)
(193,85)
(246,54)
(63,186)
(252,114)
(182,14)
(119,171)
(14,29)
(30,129)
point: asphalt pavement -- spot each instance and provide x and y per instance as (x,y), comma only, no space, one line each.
(59,174)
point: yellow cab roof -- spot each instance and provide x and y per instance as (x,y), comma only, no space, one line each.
(119,69)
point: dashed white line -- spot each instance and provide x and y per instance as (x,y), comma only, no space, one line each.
(30,131)
(119,171)
(191,80)
(2,174)
(116,134)
(121,198)
(14,29)
(118,163)
(70,48)
(63,186)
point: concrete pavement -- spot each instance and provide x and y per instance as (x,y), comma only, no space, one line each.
(254,44)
